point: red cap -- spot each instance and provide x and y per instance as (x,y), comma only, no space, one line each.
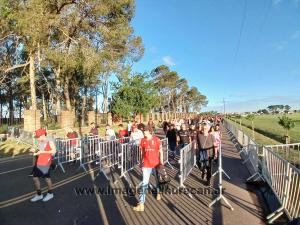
(40,132)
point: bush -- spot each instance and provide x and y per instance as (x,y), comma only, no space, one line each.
(51,125)
(3,129)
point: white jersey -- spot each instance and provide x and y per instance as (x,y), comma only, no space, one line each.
(129,127)
(136,137)
(110,134)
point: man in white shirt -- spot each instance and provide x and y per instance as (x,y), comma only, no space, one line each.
(136,135)
(177,125)
(110,133)
(129,126)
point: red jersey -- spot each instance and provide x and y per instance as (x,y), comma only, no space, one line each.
(72,135)
(150,150)
(44,159)
(122,134)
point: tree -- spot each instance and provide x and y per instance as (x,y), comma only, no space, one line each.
(251,118)
(134,95)
(239,117)
(287,108)
(287,124)
(165,81)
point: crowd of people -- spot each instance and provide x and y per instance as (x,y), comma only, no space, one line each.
(203,132)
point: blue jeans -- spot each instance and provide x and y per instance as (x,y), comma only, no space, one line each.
(146,177)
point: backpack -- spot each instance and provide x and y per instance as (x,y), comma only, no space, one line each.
(163,178)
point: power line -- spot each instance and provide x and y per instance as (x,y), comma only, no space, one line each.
(241,32)
(263,24)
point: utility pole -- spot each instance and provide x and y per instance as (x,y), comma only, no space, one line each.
(224,107)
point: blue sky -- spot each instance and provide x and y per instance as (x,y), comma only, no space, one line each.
(199,39)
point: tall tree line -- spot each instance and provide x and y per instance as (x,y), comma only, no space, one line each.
(55,55)
(61,55)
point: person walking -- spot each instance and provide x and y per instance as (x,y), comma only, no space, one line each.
(172,140)
(183,137)
(217,134)
(136,136)
(46,149)
(152,157)
(205,152)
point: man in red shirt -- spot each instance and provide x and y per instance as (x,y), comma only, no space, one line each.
(42,168)
(122,133)
(94,129)
(72,143)
(152,157)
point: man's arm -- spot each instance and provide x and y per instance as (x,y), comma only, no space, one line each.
(177,138)
(161,155)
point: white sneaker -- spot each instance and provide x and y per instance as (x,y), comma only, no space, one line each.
(36,198)
(48,197)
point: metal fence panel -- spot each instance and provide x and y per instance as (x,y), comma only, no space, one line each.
(187,162)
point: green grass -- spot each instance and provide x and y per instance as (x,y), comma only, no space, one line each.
(268,126)
(259,138)
(293,155)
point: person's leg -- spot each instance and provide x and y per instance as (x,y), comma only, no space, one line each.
(36,183)
(142,195)
(49,185)
(37,186)
(209,170)
(145,182)
(158,189)
(172,148)
(201,163)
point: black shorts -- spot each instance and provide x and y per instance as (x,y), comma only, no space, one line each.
(38,173)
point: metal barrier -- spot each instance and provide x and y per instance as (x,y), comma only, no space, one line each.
(284,180)
(25,137)
(290,152)
(110,154)
(220,171)
(249,148)
(130,158)
(131,153)
(187,162)
(68,150)
(282,177)
(165,148)
(20,135)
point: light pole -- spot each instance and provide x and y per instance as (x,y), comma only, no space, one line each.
(224,107)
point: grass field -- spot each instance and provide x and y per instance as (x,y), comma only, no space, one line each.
(269,132)
(259,138)
(268,126)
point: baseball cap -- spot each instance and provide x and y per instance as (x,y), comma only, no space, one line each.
(40,132)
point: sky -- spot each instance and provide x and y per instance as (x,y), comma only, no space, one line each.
(246,52)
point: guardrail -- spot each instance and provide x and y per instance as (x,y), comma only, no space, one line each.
(290,152)
(282,177)
(284,180)
(187,162)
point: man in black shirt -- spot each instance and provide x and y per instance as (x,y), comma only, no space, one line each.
(193,132)
(183,137)
(172,139)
